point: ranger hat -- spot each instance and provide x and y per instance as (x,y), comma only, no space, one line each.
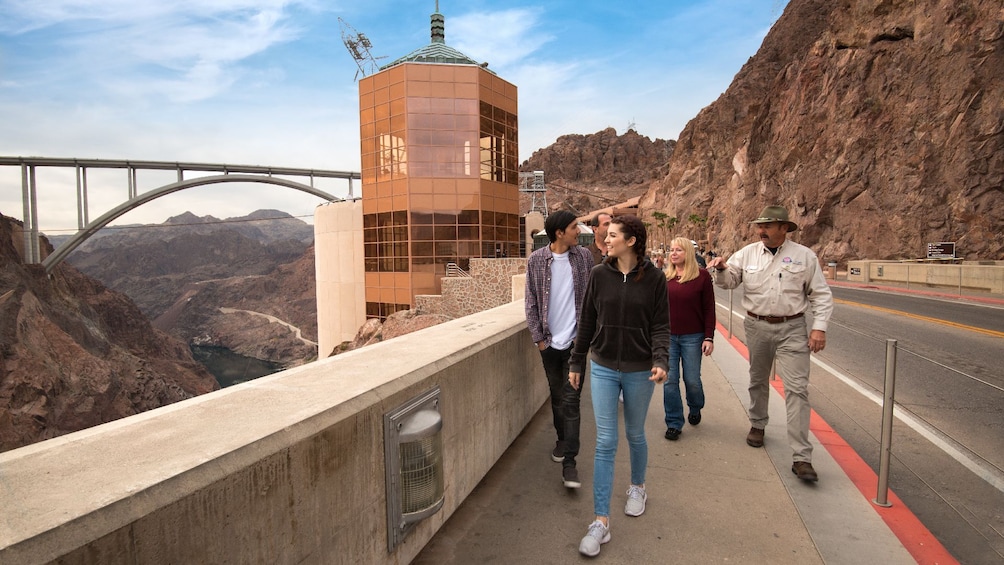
(775,214)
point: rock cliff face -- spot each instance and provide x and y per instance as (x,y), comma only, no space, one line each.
(272,317)
(879,124)
(151,263)
(587,172)
(246,284)
(74,354)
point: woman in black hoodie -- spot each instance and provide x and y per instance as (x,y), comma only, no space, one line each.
(625,324)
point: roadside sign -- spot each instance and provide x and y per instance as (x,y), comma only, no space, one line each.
(941,250)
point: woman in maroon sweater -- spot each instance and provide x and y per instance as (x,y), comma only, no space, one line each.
(692,327)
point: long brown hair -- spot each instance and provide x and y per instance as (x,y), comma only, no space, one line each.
(631,226)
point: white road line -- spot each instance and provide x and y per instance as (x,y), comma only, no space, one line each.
(989,474)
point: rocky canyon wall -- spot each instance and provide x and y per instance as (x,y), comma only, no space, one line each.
(879,124)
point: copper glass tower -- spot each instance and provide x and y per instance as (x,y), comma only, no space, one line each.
(439,171)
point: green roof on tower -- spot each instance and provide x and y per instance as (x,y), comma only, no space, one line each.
(437,51)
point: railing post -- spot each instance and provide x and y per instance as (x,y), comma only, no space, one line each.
(888,400)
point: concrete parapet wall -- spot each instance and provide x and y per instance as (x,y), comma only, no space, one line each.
(287,468)
(972,276)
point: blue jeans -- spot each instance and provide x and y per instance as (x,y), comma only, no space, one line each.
(686,350)
(607,385)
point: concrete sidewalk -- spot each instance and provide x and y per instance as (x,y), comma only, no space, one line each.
(711,498)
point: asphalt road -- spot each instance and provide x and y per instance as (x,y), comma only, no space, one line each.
(947,454)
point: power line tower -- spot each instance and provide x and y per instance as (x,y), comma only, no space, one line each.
(359,47)
(533,184)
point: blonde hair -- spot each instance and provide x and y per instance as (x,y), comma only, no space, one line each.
(690,267)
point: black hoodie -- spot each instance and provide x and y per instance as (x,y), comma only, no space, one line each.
(624,321)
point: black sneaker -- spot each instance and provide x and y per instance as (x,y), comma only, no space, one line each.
(694,418)
(672,434)
(558,453)
(570,476)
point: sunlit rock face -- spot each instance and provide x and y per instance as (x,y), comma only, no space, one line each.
(879,124)
(74,354)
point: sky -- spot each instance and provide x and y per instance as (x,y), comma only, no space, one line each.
(270,82)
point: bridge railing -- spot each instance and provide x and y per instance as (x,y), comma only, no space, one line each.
(29,189)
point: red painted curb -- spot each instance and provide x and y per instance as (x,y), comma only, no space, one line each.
(911,532)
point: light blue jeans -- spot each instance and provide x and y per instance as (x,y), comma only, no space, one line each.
(686,350)
(607,384)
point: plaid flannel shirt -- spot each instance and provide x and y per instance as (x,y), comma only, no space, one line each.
(538,287)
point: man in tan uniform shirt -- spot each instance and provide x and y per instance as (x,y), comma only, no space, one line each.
(781,281)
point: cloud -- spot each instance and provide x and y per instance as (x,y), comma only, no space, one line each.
(268,82)
(141,50)
(502,38)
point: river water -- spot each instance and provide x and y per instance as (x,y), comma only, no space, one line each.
(231,368)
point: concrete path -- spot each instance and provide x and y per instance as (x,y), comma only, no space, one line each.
(712,498)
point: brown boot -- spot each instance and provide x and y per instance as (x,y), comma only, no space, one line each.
(804,471)
(755,437)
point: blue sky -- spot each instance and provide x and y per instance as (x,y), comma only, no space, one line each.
(269,82)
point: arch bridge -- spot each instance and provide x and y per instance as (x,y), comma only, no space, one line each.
(86,228)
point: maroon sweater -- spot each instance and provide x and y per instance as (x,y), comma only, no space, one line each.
(692,305)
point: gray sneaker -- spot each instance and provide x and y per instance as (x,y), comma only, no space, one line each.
(636,501)
(597,535)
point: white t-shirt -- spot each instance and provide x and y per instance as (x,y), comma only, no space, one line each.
(561,307)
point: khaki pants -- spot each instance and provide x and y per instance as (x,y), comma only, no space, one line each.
(788,344)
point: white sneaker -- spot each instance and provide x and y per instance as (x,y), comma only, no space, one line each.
(597,535)
(636,501)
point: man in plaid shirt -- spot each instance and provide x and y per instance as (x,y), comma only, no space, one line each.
(556,278)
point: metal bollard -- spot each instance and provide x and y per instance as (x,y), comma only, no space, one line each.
(730,314)
(888,400)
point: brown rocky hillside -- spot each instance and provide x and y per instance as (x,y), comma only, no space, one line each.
(878,123)
(588,172)
(243,313)
(75,354)
(240,283)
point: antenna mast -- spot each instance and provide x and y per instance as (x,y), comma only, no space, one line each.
(359,47)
